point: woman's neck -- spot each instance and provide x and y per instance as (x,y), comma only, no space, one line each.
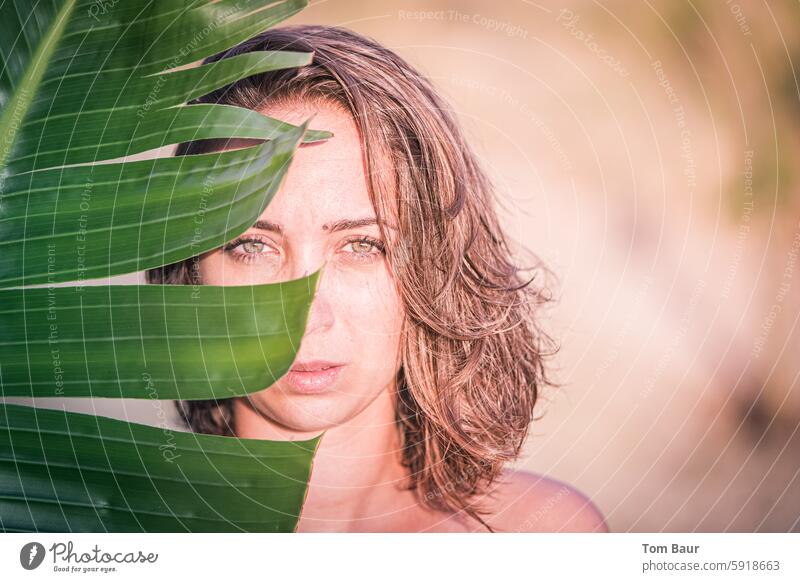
(357,480)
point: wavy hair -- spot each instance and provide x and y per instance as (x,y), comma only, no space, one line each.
(473,352)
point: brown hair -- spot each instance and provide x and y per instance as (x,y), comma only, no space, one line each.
(472,351)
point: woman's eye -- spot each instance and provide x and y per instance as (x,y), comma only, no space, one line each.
(364,249)
(248,249)
(252,246)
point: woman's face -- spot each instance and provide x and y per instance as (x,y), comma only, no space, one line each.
(356,316)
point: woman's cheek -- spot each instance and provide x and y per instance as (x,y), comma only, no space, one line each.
(370,303)
(371,299)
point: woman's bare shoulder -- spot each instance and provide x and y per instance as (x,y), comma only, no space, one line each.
(523,501)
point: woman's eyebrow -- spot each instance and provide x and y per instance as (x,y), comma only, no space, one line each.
(268,226)
(347,223)
(335,226)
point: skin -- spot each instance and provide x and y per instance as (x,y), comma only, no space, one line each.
(356,318)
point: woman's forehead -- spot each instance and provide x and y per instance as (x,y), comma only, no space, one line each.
(327,178)
(324,114)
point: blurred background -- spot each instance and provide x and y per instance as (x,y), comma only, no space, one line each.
(648,153)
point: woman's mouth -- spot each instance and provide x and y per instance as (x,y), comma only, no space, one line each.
(313,377)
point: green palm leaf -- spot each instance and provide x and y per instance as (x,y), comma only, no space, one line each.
(87,473)
(83,85)
(151,341)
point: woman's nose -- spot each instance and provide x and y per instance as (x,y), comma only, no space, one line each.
(321,316)
(302,260)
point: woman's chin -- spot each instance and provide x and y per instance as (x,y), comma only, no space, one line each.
(308,423)
(305,412)
(308,410)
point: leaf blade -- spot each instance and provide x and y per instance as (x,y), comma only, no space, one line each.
(208,483)
(151,341)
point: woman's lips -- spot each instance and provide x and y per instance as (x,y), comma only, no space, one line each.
(314,381)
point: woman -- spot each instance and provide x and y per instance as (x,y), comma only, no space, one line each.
(422,359)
